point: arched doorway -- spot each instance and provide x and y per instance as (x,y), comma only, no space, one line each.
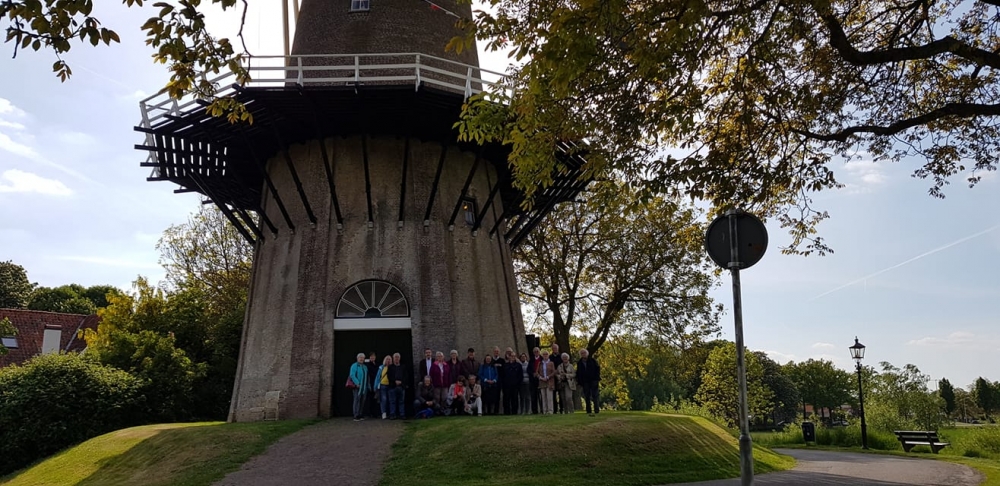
(372,315)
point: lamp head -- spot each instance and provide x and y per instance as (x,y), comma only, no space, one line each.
(857,351)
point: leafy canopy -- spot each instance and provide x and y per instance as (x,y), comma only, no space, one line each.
(744,102)
(613,265)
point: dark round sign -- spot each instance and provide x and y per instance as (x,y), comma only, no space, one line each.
(751,239)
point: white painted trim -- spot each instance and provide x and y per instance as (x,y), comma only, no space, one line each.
(372,323)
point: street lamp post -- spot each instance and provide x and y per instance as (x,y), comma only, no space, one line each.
(858,354)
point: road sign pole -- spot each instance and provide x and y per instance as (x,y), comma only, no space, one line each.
(746,446)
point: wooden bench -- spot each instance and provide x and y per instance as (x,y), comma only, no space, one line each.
(910,438)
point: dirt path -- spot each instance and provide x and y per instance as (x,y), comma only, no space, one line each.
(818,468)
(337,452)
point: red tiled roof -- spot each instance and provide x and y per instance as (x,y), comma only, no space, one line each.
(31,327)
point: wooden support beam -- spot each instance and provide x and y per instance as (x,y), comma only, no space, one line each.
(283,148)
(368,180)
(329,172)
(402,183)
(248,220)
(496,224)
(268,181)
(465,189)
(225,210)
(482,212)
(434,186)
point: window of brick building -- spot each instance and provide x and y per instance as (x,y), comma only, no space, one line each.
(372,298)
(9,342)
(360,5)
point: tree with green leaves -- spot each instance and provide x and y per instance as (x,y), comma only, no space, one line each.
(15,288)
(137,334)
(719,391)
(986,395)
(760,99)
(614,264)
(208,254)
(821,384)
(947,393)
(786,394)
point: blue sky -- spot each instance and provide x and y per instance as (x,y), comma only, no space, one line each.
(75,208)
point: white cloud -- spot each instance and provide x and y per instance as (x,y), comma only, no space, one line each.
(77,138)
(11,125)
(957,338)
(823,345)
(19,149)
(16,148)
(779,357)
(8,108)
(863,176)
(19,181)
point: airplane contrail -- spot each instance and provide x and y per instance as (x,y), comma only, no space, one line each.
(927,253)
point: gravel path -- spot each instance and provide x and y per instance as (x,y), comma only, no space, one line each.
(337,452)
(822,468)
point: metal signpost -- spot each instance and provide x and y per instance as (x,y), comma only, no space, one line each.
(737,240)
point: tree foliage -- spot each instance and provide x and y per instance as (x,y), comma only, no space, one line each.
(757,99)
(15,289)
(947,393)
(986,394)
(177,32)
(821,384)
(57,400)
(614,265)
(71,299)
(137,334)
(899,398)
(786,393)
(719,391)
(208,254)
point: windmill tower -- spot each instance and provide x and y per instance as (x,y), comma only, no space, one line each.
(375,230)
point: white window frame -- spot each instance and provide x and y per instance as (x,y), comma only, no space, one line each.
(360,5)
(9,342)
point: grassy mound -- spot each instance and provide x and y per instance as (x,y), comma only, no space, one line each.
(165,454)
(612,448)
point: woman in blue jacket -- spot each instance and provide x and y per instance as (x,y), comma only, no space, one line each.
(359,377)
(491,387)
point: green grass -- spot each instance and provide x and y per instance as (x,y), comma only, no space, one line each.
(612,448)
(151,455)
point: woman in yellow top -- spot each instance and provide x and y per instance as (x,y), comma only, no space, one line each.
(382,385)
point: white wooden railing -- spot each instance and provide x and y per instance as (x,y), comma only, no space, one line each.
(336,69)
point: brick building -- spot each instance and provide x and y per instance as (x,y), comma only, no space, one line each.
(41,332)
(375,228)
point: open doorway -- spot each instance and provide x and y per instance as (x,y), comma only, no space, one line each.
(347,345)
(372,315)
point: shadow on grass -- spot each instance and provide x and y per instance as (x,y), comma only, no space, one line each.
(165,454)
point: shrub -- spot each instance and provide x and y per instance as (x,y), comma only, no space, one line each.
(54,401)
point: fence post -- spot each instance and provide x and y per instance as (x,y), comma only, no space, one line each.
(417,86)
(298,60)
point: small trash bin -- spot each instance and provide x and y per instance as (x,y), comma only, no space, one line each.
(809,431)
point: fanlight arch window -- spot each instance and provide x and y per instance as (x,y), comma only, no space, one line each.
(372,299)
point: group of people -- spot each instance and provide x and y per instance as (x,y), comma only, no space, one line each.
(510,384)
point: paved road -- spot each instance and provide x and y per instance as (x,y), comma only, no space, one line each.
(823,468)
(337,452)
